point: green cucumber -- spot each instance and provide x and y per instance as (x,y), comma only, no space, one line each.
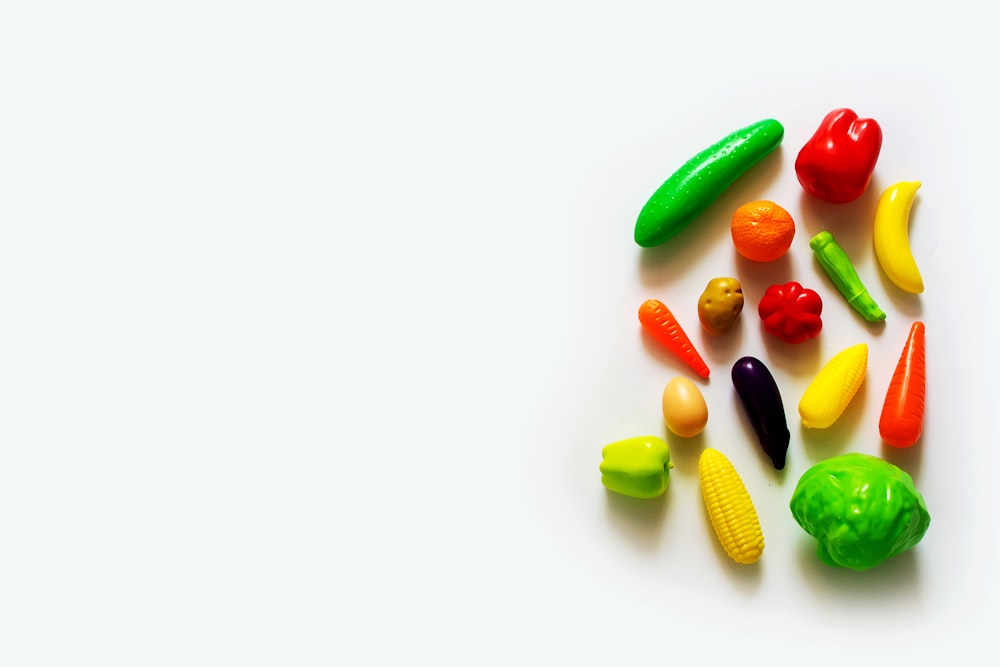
(702,180)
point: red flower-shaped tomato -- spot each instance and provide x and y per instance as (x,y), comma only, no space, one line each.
(791,312)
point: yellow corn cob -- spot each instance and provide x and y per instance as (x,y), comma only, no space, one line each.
(729,508)
(828,395)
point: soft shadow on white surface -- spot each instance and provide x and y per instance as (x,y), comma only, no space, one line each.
(896,580)
(907,305)
(684,453)
(797,359)
(720,350)
(638,520)
(745,579)
(840,437)
(909,459)
(756,277)
(850,223)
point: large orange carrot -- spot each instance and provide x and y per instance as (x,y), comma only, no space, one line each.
(663,326)
(903,411)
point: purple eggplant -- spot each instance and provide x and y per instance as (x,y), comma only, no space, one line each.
(762,402)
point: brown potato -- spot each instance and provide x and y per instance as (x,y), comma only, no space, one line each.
(720,305)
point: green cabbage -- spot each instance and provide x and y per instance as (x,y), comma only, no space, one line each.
(861,510)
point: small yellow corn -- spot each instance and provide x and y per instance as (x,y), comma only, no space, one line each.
(729,508)
(830,392)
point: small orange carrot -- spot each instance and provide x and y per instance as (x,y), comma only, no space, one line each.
(663,326)
(902,417)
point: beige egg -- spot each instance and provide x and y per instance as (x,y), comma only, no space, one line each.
(684,408)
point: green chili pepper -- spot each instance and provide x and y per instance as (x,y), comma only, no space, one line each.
(835,262)
(702,179)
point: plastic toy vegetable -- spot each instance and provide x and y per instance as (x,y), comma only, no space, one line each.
(892,240)
(902,418)
(702,179)
(791,312)
(661,324)
(720,305)
(831,391)
(762,230)
(730,508)
(861,510)
(838,266)
(837,162)
(637,467)
(761,400)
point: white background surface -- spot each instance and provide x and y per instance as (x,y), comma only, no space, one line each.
(316,319)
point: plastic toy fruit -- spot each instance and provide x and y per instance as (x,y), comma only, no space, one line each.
(720,305)
(762,231)
(791,312)
(861,510)
(837,162)
(892,238)
(637,467)
(684,409)
(761,400)
(702,179)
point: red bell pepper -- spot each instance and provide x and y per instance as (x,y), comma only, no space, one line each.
(836,164)
(791,312)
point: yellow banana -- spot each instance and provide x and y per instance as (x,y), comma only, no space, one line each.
(892,240)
